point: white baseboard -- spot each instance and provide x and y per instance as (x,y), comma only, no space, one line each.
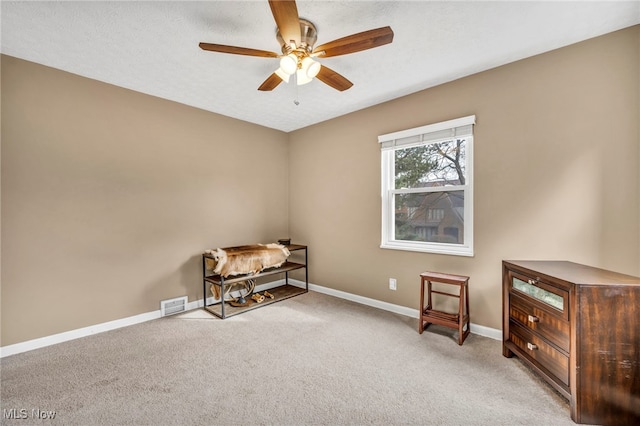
(76,334)
(54,339)
(137,319)
(480,330)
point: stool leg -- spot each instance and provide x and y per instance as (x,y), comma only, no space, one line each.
(461,316)
(466,298)
(420,323)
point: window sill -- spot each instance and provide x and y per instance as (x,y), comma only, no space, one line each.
(448,249)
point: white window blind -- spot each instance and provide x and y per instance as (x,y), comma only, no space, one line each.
(432,133)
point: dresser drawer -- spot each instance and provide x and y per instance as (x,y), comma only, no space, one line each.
(549,326)
(541,294)
(540,351)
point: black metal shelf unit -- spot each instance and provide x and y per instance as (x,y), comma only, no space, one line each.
(223,309)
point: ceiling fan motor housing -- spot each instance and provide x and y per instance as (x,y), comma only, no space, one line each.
(308,37)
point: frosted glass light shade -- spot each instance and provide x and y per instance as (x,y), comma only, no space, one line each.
(289,63)
(310,67)
(283,75)
(302,78)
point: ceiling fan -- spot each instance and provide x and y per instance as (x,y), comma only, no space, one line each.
(296,37)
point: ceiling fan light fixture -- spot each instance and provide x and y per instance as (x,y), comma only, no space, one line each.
(283,75)
(302,78)
(289,63)
(296,38)
(310,67)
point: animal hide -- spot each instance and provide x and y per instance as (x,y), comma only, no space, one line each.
(249,259)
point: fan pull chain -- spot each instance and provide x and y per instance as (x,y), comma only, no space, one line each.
(295,99)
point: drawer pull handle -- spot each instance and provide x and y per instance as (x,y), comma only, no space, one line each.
(532,318)
(531,346)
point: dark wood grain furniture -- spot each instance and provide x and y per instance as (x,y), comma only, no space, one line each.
(223,309)
(578,327)
(428,315)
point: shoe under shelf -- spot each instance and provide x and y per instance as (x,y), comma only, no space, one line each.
(280,293)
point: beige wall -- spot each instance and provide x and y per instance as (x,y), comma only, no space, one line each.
(556,175)
(110,196)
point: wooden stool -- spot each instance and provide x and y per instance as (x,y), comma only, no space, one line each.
(428,315)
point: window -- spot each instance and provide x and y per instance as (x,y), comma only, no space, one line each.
(435,214)
(427,188)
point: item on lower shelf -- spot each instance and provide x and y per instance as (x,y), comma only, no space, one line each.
(258,298)
(239,302)
(269,295)
(244,288)
(285,242)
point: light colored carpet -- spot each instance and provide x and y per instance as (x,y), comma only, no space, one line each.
(312,359)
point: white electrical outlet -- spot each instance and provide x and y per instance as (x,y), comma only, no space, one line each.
(392,284)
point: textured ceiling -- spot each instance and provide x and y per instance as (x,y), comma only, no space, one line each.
(152,47)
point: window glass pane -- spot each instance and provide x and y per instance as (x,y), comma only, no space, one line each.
(436,164)
(430,217)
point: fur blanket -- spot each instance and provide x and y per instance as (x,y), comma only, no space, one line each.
(249,259)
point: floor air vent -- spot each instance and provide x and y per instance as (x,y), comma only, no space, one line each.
(173,306)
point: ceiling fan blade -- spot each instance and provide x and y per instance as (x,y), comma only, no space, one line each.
(237,50)
(270,83)
(285,13)
(333,79)
(356,42)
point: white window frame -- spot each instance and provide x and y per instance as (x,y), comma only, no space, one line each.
(419,136)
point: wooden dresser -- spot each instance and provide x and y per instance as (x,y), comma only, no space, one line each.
(579,328)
